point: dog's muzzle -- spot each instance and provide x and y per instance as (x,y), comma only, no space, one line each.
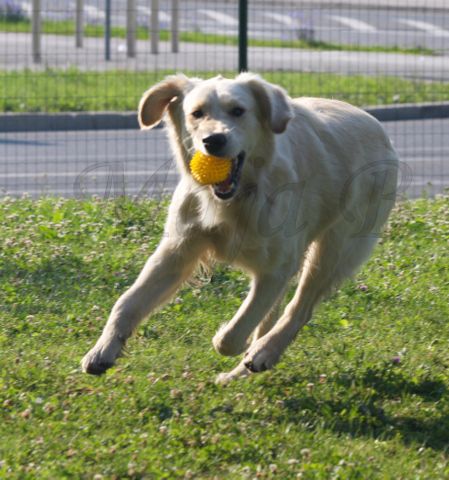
(227,189)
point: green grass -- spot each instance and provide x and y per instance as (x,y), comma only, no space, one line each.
(120,90)
(361,394)
(68,28)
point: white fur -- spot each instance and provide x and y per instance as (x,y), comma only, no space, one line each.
(318,182)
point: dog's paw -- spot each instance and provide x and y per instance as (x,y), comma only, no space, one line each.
(101,357)
(260,358)
(90,365)
(224,378)
(240,371)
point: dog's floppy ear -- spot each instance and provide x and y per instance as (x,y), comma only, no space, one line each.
(273,101)
(155,100)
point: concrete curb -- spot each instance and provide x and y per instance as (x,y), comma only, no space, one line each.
(56,122)
(418,111)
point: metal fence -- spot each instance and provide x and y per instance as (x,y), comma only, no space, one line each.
(62,59)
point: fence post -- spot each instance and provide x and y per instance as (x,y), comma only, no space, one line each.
(131,28)
(107,31)
(36,29)
(154,27)
(79,19)
(243,35)
(175,26)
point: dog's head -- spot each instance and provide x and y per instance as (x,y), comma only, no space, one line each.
(221,117)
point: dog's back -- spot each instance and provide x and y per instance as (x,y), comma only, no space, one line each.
(342,154)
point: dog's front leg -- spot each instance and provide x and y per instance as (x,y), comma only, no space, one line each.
(232,338)
(170,265)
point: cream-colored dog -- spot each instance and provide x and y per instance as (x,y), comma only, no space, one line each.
(312,183)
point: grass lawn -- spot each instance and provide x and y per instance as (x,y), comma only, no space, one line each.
(361,394)
(68,28)
(74,90)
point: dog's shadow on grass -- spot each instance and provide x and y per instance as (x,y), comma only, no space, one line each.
(364,410)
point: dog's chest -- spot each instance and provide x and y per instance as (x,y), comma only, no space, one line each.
(247,234)
(240,244)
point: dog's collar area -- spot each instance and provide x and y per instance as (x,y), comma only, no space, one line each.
(227,189)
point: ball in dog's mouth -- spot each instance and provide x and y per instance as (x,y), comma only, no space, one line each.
(227,189)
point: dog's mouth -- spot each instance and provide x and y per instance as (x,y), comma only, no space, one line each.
(227,189)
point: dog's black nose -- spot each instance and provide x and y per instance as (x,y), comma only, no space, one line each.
(214,143)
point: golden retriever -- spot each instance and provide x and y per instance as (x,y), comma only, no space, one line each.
(311,185)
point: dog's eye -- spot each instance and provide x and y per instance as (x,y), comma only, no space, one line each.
(237,111)
(197,114)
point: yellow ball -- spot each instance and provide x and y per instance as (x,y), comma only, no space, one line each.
(207,169)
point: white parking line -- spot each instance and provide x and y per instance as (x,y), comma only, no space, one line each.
(415,188)
(357,25)
(421,151)
(284,19)
(426,27)
(164,17)
(27,8)
(106,193)
(93,13)
(144,10)
(222,18)
(90,173)
(157,160)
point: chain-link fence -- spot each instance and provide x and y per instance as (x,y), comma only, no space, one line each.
(62,62)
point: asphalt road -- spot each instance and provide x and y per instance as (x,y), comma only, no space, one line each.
(113,163)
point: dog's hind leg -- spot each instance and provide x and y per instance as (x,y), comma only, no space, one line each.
(330,260)
(232,338)
(264,327)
